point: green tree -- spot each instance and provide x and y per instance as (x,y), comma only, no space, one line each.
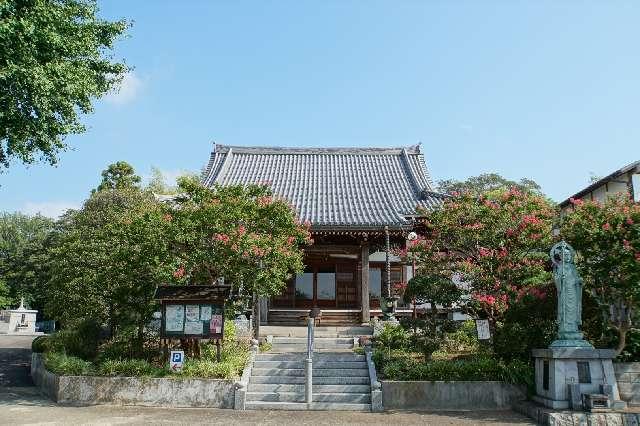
(243,234)
(107,261)
(495,245)
(24,241)
(439,292)
(54,61)
(119,175)
(607,239)
(487,182)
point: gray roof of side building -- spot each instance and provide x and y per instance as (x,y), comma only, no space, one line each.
(635,166)
(333,187)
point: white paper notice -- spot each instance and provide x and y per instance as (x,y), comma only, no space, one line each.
(216,324)
(193,327)
(205,313)
(193,312)
(483,329)
(175,318)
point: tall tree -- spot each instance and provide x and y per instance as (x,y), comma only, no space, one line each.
(496,244)
(24,241)
(107,261)
(119,175)
(607,239)
(54,61)
(243,234)
(487,182)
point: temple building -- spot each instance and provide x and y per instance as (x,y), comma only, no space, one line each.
(361,203)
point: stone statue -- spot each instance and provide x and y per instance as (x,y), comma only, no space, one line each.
(569,287)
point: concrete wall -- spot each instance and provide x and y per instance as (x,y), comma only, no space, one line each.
(450,395)
(628,377)
(166,392)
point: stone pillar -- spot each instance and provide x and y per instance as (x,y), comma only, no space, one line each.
(364,283)
(264,310)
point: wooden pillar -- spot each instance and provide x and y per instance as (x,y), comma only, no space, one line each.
(364,283)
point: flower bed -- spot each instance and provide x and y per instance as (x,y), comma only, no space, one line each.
(173,391)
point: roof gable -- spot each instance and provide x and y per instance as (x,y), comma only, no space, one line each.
(333,187)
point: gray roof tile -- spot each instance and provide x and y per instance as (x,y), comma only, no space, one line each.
(333,187)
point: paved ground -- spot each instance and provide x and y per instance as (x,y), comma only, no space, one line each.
(20,404)
(15,356)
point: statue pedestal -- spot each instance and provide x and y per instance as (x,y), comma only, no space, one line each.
(564,374)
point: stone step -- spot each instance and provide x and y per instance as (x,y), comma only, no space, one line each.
(318,389)
(353,398)
(320,331)
(303,348)
(317,356)
(320,372)
(317,380)
(316,364)
(317,341)
(326,406)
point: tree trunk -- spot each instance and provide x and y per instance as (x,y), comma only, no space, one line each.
(622,339)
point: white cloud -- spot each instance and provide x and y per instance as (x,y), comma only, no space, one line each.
(52,209)
(127,91)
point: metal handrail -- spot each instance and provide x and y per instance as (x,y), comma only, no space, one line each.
(309,362)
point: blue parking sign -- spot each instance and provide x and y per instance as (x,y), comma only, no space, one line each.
(176,360)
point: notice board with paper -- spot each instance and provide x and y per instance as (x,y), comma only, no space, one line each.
(192,311)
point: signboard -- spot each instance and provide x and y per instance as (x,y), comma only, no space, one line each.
(193,320)
(176,360)
(482,326)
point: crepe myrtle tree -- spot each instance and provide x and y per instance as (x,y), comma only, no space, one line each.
(241,233)
(496,245)
(607,239)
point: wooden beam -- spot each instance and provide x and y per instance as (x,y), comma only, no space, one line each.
(364,282)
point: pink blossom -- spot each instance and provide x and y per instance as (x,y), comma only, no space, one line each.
(576,201)
(222,238)
(626,244)
(606,227)
(638,256)
(179,273)
(503,252)
(629,221)
(291,240)
(484,252)
(167,217)
(241,230)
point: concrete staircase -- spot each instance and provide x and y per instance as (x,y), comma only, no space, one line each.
(321,344)
(340,377)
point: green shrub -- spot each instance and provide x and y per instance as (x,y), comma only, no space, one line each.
(209,369)
(392,337)
(463,340)
(479,369)
(40,344)
(129,368)
(81,341)
(265,347)
(229,333)
(66,365)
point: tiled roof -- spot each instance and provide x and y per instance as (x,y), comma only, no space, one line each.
(333,187)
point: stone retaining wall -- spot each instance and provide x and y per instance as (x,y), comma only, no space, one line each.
(628,377)
(165,392)
(450,395)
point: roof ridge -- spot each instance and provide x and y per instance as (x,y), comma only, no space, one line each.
(240,149)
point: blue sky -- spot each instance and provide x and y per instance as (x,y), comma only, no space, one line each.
(548,90)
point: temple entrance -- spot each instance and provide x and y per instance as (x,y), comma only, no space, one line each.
(325,285)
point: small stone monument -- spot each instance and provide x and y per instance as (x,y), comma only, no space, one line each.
(571,367)
(18,321)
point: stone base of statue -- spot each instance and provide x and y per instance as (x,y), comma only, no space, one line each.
(570,369)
